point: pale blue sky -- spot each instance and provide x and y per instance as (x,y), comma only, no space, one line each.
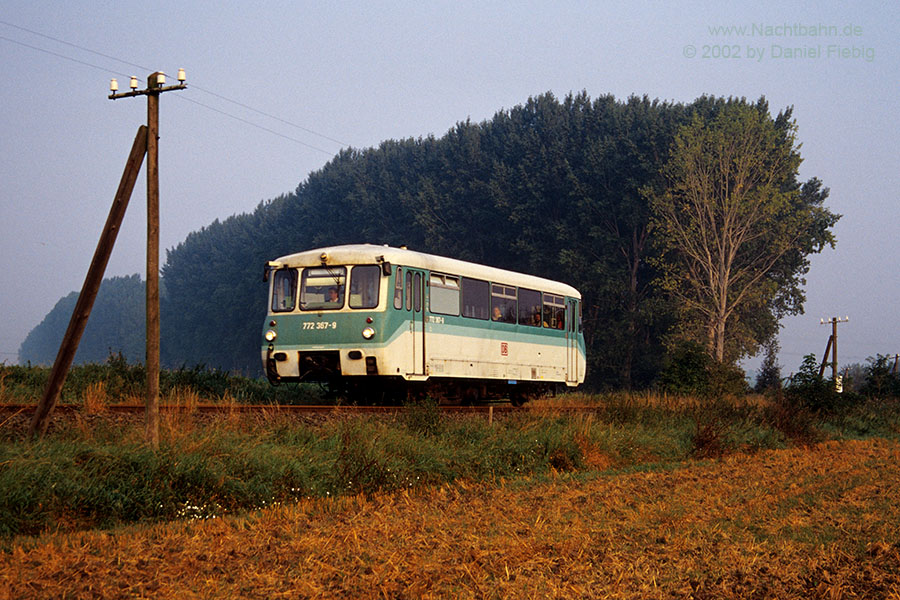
(339,74)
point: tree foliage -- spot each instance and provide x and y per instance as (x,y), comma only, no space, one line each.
(556,188)
(769,377)
(117,325)
(736,226)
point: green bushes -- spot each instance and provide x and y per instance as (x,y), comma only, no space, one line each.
(691,371)
(124,382)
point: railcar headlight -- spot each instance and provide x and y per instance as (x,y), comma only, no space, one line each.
(368,333)
(271,335)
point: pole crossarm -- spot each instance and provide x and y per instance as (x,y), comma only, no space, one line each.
(158,90)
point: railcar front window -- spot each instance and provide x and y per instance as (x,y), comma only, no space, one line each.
(364,284)
(284,290)
(322,288)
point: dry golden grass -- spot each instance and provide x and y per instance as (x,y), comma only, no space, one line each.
(646,399)
(820,522)
(95,398)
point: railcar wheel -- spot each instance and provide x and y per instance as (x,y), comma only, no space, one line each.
(471,395)
(517,398)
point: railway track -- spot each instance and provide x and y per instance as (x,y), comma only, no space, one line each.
(8,409)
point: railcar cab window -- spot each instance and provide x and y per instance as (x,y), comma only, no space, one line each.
(529,307)
(503,303)
(284,290)
(476,298)
(554,311)
(443,294)
(322,288)
(364,283)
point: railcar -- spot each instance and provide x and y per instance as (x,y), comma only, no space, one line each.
(377,322)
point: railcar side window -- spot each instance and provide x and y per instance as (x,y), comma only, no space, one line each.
(476,298)
(529,307)
(443,294)
(417,293)
(409,285)
(554,311)
(284,290)
(398,289)
(322,288)
(364,283)
(503,303)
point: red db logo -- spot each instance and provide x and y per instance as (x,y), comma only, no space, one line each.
(504,349)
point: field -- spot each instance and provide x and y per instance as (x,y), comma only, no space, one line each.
(819,522)
(645,497)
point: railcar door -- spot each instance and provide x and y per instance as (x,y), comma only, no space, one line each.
(571,341)
(415,307)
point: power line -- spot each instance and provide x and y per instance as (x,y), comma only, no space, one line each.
(193,87)
(55,39)
(265,114)
(273,132)
(63,56)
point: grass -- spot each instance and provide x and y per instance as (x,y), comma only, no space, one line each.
(772,524)
(94,471)
(118,382)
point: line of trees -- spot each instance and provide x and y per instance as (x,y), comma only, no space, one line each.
(676,221)
(117,326)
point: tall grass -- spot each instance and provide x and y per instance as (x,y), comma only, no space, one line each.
(125,383)
(95,470)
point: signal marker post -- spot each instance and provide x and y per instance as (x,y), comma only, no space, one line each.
(156,84)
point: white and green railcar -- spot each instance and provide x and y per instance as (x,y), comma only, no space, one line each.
(376,321)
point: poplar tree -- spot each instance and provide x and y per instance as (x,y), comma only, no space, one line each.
(736,226)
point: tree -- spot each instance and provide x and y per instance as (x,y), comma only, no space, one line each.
(117,325)
(769,376)
(736,226)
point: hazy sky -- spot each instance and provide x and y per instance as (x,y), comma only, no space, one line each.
(275,89)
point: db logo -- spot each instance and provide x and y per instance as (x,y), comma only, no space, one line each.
(504,349)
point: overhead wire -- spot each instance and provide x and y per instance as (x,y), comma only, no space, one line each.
(191,87)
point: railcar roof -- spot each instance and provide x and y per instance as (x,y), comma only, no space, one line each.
(354,254)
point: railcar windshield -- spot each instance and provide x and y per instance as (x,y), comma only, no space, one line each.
(364,284)
(322,288)
(284,290)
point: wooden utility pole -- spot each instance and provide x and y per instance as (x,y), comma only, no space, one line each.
(91,286)
(832,346)
(156,84)
(152,412)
